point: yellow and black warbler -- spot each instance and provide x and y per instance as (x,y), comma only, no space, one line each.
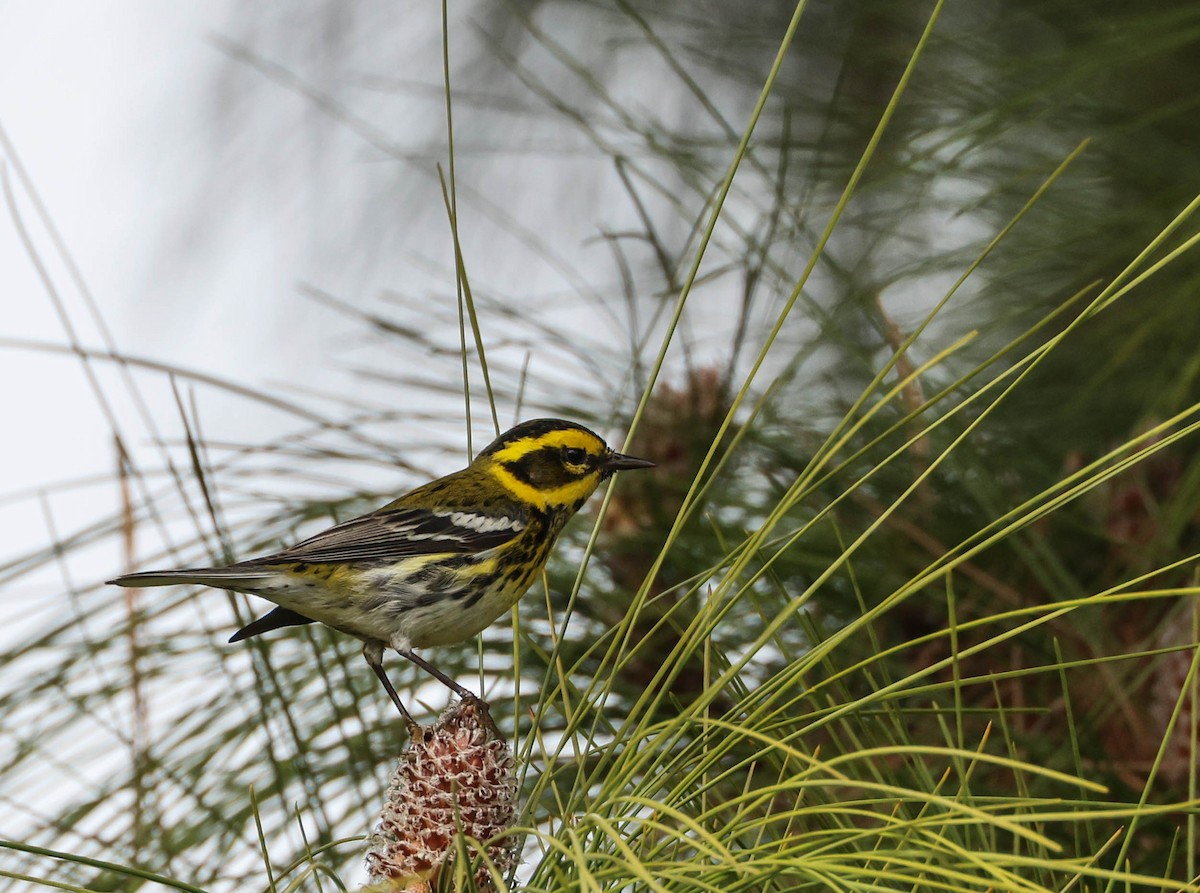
(435,566)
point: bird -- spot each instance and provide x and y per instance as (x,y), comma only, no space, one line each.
(437,565)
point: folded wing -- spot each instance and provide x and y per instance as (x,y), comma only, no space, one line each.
(391,534)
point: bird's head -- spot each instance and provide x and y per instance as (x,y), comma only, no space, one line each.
(553,464)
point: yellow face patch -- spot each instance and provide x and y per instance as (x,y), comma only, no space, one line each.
(576,480)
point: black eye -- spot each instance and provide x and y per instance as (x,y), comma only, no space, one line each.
(575,455)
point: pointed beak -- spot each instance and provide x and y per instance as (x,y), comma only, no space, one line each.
(621,462)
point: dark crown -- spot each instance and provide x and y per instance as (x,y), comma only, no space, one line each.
(533,429)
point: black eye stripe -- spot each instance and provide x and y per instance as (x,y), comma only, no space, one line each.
(545,467)
(575,455)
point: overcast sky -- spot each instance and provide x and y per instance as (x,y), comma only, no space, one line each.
(100,103)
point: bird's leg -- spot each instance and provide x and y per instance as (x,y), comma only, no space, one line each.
(437,674)
(373,652)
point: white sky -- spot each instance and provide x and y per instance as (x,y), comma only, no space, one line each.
(78,83)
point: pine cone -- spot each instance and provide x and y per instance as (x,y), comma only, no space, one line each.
(456,778)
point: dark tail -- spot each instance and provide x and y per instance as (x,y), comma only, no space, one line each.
(277,619)
(233,577)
